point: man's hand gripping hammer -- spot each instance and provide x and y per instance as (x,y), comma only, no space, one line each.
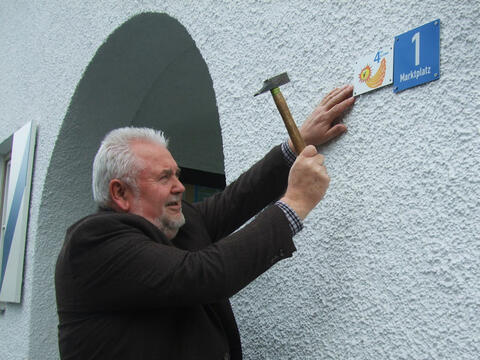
(273,84)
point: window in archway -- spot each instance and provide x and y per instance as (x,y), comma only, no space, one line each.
(200,184)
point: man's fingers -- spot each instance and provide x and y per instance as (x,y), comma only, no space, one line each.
(345,93)
(331,95)
(321,159)
(340,108)
(335,131)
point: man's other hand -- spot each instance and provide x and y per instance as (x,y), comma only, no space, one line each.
(322,125)
(307,182)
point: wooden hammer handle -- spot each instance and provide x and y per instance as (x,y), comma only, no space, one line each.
(292,128)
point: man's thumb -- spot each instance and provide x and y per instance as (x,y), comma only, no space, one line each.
(309,151)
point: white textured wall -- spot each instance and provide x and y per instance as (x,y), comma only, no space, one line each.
(387,266)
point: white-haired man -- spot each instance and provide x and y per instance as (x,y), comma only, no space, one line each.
(149,277)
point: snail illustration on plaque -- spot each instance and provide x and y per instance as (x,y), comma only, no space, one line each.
(373,71)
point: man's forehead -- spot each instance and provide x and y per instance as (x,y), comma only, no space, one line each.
(153,154)
(144,148)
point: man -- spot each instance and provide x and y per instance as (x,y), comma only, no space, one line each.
(149,277)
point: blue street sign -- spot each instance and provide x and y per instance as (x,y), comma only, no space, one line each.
(416,56)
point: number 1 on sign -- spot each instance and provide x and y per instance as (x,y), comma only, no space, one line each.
(416,39)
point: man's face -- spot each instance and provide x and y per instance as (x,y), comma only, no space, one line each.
(159,190)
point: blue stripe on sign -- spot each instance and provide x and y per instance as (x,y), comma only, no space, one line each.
(15,209)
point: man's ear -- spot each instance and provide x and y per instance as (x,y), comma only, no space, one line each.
(120,195)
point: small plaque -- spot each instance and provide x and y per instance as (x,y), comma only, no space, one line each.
(417,56)
(373,71)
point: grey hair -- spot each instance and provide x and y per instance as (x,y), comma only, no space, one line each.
(116,160)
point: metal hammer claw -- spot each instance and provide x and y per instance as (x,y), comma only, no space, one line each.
(273,84)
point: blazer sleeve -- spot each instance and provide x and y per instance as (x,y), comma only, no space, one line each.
(130,266)
(264,183)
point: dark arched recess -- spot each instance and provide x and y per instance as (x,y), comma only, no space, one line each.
(148,72)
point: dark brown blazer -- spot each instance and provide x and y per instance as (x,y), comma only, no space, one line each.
(126,292)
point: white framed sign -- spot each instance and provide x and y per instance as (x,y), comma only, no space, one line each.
(373,71)
(16,215)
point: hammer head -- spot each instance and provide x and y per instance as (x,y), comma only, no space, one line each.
(273,83)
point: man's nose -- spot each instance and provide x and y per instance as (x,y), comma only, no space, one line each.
(178,187)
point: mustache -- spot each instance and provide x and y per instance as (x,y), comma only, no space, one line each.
(174,200)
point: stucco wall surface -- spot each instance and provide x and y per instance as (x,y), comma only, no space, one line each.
(387,265)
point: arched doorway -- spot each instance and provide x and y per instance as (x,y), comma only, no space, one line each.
(147,73)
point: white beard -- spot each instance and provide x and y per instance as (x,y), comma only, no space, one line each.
(169,226)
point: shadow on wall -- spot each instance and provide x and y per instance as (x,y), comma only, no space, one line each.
(148,73)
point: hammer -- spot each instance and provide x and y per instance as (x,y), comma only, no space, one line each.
(273,84)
